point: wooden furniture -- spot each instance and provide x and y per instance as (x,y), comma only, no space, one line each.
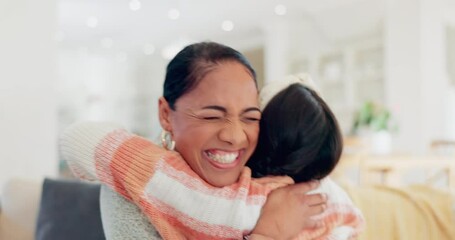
(391,169)
(443,147)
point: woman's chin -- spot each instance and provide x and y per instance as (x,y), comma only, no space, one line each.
(222,181)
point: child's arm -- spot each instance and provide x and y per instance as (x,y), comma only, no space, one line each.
(161,183)
(342,219)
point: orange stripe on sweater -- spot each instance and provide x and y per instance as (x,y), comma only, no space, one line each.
(104,154)
(133,164)
(125,162)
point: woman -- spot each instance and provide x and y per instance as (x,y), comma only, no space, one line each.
(209,107)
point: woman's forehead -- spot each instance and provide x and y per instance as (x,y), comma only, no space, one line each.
(226,85)
(228,75)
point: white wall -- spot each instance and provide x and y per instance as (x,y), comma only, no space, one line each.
(416,75)
(150,75)
(402,70)
(28,123)
(435,79)
(276,49)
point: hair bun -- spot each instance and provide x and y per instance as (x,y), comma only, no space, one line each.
(274,87)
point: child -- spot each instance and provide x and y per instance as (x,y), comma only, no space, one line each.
(299,135)
(150,176)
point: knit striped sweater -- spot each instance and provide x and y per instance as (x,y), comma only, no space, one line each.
(179,204)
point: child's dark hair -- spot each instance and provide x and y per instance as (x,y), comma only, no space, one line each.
(299,137)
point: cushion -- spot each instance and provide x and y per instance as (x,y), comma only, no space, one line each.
(19,202)
(69,210)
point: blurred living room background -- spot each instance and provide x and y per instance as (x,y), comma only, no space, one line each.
(386,68)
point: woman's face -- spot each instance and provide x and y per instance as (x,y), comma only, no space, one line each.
(216,125)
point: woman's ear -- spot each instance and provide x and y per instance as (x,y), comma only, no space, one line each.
(164,112)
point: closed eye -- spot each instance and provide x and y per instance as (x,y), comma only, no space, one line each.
(211,118)
(252,119)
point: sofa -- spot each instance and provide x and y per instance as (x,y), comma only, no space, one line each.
(50,209)
(63,209)
(19,204)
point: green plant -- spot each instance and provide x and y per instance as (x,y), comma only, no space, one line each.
(374,117)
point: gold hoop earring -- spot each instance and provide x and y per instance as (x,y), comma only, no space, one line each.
(166,141)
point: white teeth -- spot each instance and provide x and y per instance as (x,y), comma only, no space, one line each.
(223,158)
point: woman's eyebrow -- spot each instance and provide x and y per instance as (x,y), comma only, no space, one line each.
(251,109)
(224,110)
(216,107)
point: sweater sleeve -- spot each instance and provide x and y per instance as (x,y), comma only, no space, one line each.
(174,198)
(342,219)
(110,154)
(79,145)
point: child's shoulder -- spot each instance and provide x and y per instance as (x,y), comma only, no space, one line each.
(334,191)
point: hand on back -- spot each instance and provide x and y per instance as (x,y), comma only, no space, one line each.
(288,211)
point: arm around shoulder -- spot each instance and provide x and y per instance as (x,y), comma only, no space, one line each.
(79,143)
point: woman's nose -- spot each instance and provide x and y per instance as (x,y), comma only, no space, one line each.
(233,133)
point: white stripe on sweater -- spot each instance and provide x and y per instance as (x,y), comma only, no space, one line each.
(341,233)
(234,213)
(78,143)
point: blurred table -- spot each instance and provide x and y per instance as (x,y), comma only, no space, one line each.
(389,169)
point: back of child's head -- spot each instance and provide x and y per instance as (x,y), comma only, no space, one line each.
(299,136)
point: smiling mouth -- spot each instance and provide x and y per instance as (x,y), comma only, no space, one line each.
(222,157)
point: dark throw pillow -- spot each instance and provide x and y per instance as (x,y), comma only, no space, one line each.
(69,210)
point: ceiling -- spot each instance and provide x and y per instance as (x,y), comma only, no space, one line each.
(119,27)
